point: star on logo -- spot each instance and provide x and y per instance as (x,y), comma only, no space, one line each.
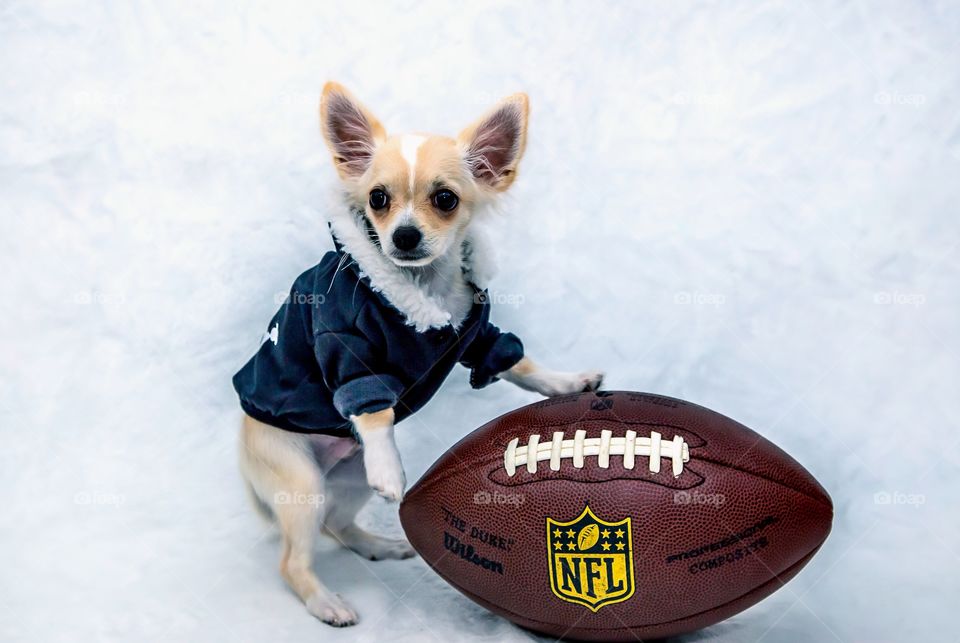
(571,533)
(620,546)
(571,545)
(619,533)
(557,533)
(605,533)
(606,546)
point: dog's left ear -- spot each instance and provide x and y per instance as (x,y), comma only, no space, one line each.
(493,145)
(351,131)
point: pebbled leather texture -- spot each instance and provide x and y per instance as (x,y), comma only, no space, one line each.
(742,518)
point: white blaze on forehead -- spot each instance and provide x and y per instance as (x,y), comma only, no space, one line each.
(409,144)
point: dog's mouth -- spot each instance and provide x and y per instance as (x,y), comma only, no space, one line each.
(410,258)
(418,257)
(403,258)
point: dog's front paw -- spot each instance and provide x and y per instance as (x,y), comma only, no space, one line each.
(384,473)
(590,381)
(553,384)
(331,609)
(389,486)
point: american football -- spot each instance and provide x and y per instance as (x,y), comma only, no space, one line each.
(616,516)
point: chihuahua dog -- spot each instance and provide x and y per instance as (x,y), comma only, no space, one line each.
(367,336)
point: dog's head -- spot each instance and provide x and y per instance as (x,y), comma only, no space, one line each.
(420,191)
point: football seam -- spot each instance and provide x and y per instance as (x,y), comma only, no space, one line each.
(699,481)
(463,465)
(466,466)
(754,474)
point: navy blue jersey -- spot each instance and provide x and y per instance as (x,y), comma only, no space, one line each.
(338,348)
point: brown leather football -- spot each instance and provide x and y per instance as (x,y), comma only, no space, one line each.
(616,516)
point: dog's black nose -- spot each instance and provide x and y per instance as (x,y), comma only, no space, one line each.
(406,237)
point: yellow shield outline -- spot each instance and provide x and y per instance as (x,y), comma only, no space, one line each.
(595,606)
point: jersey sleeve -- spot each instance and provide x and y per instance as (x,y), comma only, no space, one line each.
(351,370)
(491,352)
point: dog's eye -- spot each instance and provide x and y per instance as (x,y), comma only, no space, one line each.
(379,199)
(445,200)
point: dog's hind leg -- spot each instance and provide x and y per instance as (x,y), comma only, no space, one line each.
(264,510)
(282,472)
(347,492)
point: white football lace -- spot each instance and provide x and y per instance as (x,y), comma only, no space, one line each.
(603,447)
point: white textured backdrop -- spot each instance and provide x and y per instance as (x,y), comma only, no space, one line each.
(750,205)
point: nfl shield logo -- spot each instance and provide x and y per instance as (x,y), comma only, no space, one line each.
(590,560)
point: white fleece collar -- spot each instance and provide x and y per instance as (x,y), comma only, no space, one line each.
(400,287)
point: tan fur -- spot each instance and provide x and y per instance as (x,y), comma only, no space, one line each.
(329,90)
(275,463)
(312,482)
(373,421)
(524,367)
(531,376)
(440,163)
(467,134)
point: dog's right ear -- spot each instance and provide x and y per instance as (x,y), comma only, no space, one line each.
(352,133)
